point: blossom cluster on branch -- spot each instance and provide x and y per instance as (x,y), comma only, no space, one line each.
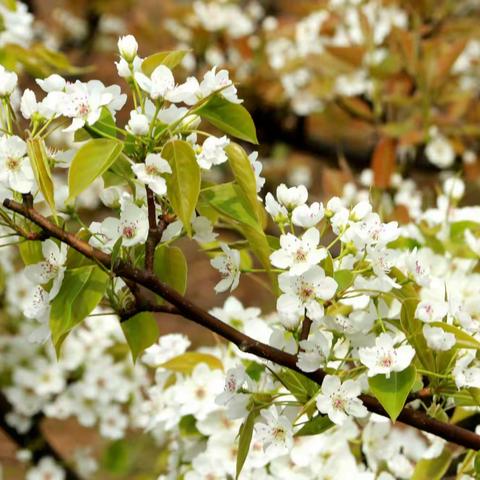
(374,321)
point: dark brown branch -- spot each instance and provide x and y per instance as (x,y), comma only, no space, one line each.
(193,312)
(306,325)
(33,439)
(153,237)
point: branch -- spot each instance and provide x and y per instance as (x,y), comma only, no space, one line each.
(33,439)
(153,237)
(193,312)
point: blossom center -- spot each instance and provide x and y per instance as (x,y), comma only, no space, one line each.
(13,164)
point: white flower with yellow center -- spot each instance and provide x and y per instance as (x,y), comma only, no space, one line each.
(15,170)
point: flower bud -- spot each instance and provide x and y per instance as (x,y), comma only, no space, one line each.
(138,123)
(128,47)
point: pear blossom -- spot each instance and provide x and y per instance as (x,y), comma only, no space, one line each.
(305,291)
(340,400)
(278,212)
(128,70)
(15,170)
(150,172)
(83,102)
(133,224)
(232,397)
(128,47)
(8,82)
(159,84)
(275,432)
(196,395)
(228,265)
(438,339)
(51,268)
(257,169)
(431,311)
(466,372)
(454,188)
(166,348)
(439,151)
(314,352)
(138,123)
(298,255)
(46,468)
(203,230)
(308,216)
(213,152)
(291,197)
(53,83)
(384,357)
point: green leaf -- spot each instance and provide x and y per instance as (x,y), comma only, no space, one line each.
(327,265)
(301,387)
(92,160)
(81,291)
(186,362)
(392,392)
(31,252)
(231,118)
(41,169)
(344,279)
(140,331)
(433,469)
(188,426)
(245,438)
(316,425)
(183,184)
(170,266)
(464,340)
(104,126)
(168,58)
(117,457)
(244,175)
(229,200)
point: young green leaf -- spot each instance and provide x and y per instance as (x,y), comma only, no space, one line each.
(92,160)
(140,331)
(244,175)
(183,184)
(41,169)
(81,291)
(392,392)
(231,118)
(170,266)
(301,387)
(186,362)
(316,425)
(168,58)
(229,200)
(245,438)
(433,469)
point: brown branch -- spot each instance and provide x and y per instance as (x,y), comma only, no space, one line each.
(306,325)
(193,312)
(153,237)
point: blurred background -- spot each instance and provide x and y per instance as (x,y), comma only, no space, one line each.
(347,96)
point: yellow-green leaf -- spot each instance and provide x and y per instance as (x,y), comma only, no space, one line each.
(170,266)
(81,291)
(244,175)
(392,392)
(433,469)
(140,331)
(41,169)
(92,160)
(186,362)
(231,118)
(168,58)
(245,438)
(183,184)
